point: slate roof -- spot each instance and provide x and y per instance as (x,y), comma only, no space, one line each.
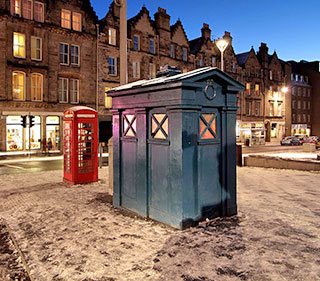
(195,45)
(242,58)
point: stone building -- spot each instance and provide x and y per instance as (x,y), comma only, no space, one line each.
(273,80)
(153,43)
(304,91)
(250,123)
(47,64)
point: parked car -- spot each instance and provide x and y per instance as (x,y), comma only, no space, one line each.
(290,141)
(314,139)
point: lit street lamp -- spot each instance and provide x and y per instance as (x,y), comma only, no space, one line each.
(284,90)
(222,45)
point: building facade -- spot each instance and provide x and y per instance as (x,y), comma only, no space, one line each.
(47,65)
(304,87)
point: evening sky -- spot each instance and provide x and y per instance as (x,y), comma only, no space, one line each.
(291,27)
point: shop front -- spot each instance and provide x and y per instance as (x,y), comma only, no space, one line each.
(42,133)
(250,133)
(277,131)
(300,130)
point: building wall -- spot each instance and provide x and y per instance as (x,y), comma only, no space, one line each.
(51,33)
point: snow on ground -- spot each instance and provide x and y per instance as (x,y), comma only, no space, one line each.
(74,233)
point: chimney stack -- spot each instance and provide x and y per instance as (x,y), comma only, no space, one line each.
(263,55)
(162,19)
(227,37)
(206,31)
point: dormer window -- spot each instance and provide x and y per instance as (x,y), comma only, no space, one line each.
(76,22)
(66,19)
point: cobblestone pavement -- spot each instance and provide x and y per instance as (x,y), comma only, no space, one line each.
(71,233)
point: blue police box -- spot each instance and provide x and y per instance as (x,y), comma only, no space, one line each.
(175,146)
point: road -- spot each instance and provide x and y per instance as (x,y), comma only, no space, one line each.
(46,164)
(29,166)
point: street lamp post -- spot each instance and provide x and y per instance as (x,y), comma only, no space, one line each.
(123,41)
(222,45)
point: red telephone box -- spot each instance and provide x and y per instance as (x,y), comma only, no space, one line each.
(80,145)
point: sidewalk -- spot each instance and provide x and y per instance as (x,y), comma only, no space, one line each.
(74,233)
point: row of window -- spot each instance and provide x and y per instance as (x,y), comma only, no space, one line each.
(255,111)
(256,108)
(301,118)
(306,105)
(73,53)
(297,91)
(299,78)
(19,86)
(113,67)
(71,20)
(29,9)
(34,10)
(19,50)
(19,46)
(68,88)
(160,126)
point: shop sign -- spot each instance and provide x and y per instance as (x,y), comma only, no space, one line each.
(53,120)
(299,126)
(14,120)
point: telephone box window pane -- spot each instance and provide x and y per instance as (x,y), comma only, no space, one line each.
(129,125)
(159,126)
(208,126)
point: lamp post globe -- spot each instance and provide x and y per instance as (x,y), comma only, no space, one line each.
(222,45)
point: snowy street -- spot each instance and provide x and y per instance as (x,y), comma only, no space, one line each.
(71,233)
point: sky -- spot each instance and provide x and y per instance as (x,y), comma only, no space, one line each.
(289,27)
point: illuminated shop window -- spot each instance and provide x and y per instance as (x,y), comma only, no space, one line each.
(208,126)
(129,125)
(159,126)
